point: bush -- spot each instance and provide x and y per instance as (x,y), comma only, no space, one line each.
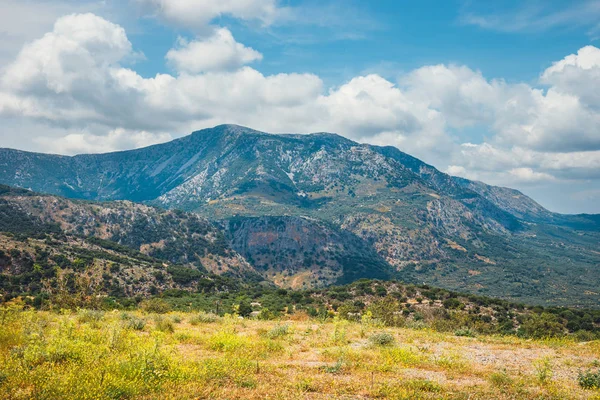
(501,379)
(184,275)
(382,339)
(543,370)
(227,341)
(589,379)
(278,331)
(204,318)
(157,306)
(452,303)
(466,332)
(135,323)
(335,368)
(90,316)
(164,324)
(266,314)
(244,308)
(541,326)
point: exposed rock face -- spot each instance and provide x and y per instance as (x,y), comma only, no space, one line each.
(299,252)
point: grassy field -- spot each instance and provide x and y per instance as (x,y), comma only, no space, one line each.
(121,355)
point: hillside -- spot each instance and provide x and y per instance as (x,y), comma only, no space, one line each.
(413,221)
(289,251)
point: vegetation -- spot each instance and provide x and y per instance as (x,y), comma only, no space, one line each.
(138,354)
(589,380)
(383,303)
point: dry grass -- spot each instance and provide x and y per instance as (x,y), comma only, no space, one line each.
(99,355)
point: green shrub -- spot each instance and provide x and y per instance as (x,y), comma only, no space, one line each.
(135,323)
(164,324)
(382,339)
(452,303)
(541,326)
(244,308)
(466,332)
(157,306)
(227,341)
(266,314)
(278,331)
(125,316)
(204,318)
(184,275)
(90,316)
(501,379)
(543,370)
(335,368)
(589,379)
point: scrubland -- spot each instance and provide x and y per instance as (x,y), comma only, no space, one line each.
(88,354)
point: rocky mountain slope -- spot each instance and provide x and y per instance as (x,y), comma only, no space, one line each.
(174,236)
(301,252)
(289,251)
(267,191)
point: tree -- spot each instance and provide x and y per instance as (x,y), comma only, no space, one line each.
(540,326)
(244,308)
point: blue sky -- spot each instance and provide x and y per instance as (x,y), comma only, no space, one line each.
(387,37)
(501,91)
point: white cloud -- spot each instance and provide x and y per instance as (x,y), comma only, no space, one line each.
(86,142)
(575,75)
(198,14)
(78,43)
(216,53)
(72,80)
(24,20)
(462,95)
(529,175)
(497,164)
(532,16)
(72,77)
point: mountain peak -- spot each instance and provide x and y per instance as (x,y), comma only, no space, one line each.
(228,129)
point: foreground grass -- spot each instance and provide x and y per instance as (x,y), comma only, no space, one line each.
(117,355)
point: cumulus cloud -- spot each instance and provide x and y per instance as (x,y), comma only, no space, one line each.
(503,165)
(24,20)
(86,142)
(73,79)
(218,52)
(574,75)
(54,63)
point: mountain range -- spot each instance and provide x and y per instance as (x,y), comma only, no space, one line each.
(306,211)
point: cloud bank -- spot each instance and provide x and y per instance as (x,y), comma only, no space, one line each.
(73,82)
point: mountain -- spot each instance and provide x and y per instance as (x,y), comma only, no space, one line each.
(289,251)
(301,252)
(174,236)
(265,192)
